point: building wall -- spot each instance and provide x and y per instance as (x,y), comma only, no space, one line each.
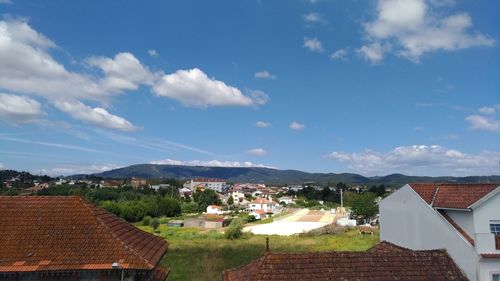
(406,220)
(464,219)
(488,267)
(483,214)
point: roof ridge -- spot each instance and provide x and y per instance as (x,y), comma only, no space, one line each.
(92,208)
(435,195)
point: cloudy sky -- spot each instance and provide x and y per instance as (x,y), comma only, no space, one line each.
(372,87)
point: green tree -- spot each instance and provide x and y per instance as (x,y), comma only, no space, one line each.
(230,201)
(169,207)
(364,206)
(155,224)
(208,197)
(234,230)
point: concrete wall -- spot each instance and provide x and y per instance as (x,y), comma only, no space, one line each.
(485,243)
(464,219)
(406,220)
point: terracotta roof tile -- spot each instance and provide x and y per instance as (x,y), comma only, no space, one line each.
(453,196)
(383,263)
(41,233)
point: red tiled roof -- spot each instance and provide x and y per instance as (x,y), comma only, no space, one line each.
(453,196)
(384,263)
(43,233)
(262,201)
(491,256)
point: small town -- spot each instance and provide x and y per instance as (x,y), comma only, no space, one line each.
(250,140)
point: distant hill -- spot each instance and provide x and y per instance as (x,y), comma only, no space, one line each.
(275,176)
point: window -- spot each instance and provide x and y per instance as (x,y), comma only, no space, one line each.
(495,228)
(495,277)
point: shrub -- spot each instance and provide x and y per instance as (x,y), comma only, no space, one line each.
(155,224)
(147,220)
(234,230)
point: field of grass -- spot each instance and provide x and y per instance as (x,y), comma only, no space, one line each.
(203,255)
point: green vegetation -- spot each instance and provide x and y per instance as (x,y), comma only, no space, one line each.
(234,231)
(202,255)
(364,206)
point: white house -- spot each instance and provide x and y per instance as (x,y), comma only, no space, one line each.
(262,204)
(464,219)
(214,184)
(258,214)
(214,209)
(286,200)
(238,197)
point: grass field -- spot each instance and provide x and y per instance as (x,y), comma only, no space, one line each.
(203,255)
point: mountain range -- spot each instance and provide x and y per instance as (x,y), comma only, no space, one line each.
(275,176)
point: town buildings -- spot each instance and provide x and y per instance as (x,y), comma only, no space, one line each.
(464,219)
(214,184)
(266,205)
(67,238)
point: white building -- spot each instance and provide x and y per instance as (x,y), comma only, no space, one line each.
(214,209)
(214,184)
(238,197)
(286,200)
(258,214)
(463,219)
(262,204)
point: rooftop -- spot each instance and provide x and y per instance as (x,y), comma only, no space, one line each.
(452,196)
(385,261)
(59,233)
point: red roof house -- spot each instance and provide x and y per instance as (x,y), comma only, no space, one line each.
(68,238)
(384,262)
(464,219)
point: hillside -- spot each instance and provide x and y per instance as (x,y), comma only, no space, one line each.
(275,176)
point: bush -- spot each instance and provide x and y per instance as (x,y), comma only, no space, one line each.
(234,230)
(147,220)
(155,224)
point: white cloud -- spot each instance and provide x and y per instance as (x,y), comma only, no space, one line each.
(97,116)
(487,123)
(19,109)
(264,74)
(123,72)
(432,160)
(152,53)
(210,163)
(414,29)
(373,52)
(5,2)
(487,110)
(313,44)
(262,124)
(194,88)
(28,68)
(313,18)
(296,126)
(257,151)
(74,169)
(340,54)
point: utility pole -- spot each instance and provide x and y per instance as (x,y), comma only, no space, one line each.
(341,199)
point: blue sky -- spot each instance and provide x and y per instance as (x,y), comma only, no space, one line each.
(371,87)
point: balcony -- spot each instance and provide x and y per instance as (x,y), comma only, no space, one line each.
(497,242)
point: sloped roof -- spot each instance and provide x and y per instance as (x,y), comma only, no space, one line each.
(384,262)
(43,233)
(452,196)
(262,201)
